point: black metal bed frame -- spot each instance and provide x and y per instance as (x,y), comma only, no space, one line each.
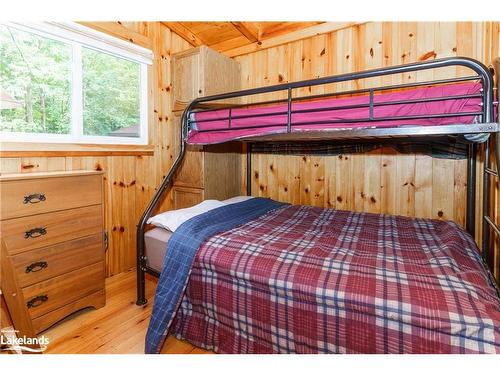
(484,125)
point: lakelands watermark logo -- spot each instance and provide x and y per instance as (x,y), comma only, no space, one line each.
(9,340)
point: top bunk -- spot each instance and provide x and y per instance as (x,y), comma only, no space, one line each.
(461,105)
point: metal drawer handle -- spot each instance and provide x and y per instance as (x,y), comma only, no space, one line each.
(35,232)
(37,301)
(37,266)
(34,198)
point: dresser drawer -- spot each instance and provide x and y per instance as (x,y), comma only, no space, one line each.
(41,264)
(30,197)
(33,232)
(54,293)
(96,300)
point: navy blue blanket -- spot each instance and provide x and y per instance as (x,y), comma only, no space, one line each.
(181,251)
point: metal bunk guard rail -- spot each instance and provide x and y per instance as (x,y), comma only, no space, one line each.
(485,124)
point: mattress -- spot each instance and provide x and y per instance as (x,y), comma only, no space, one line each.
(457,102)
(155,241)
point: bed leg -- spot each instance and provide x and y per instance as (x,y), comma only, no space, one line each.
(141,287)
(141,274)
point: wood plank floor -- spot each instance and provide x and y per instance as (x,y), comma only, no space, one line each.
(119,327)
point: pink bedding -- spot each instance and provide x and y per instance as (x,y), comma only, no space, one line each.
(341,119)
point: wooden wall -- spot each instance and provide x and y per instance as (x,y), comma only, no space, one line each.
(381,181)
(130,180)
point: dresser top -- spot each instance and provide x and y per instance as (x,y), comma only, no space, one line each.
(35,175)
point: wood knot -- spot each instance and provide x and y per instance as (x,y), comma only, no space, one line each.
(371,52)
(373,200)
(440,213)
(428,55)
(339,199)
(323,51)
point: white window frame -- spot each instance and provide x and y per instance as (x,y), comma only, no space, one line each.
(78,36)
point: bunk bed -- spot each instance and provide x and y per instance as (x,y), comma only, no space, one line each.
(217,249)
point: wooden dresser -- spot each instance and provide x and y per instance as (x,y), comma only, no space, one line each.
(52,234)
(209,172)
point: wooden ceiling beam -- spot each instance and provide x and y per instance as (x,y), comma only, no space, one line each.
(272,29)
(251,33)
(230,44)
(322,28)
(184,33)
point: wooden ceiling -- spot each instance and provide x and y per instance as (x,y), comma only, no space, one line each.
(238,38)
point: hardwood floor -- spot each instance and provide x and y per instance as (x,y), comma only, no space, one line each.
(117,328)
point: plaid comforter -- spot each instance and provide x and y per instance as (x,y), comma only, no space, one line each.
(302,279)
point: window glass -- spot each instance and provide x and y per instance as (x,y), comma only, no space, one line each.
(111,95)
(35,83)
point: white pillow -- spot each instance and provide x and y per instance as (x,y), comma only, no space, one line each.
(171,220)
(237,199)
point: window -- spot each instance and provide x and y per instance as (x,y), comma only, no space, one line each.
(68,83)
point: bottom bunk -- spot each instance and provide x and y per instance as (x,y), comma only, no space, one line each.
(259,276)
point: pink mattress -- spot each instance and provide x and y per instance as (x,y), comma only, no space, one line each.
(219,130)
